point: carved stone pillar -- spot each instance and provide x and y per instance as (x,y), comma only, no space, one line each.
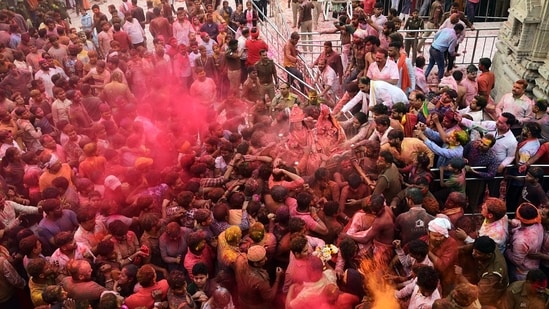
(523,48)
(541,54)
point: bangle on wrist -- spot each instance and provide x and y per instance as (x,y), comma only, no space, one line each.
(130,259)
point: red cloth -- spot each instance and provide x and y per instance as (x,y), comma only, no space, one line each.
(447,254)
(122,38)
(205,257)
(369,6)
(143,297)
(486,81)
(346,300)
(410,124)
(254,47)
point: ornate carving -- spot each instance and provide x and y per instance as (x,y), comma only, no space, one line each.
(522,50)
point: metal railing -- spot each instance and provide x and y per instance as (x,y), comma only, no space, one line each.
(477,44)
(276,33)
(486,11)
(503,176)
(436,171)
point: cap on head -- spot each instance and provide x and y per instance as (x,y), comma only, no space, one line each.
(256,253)
(484,244)
(528,214)
(441,226)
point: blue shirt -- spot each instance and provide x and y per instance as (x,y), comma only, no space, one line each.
(445,40)
(444,154)
(15,39)
(87,22)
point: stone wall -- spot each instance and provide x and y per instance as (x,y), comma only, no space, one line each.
(523,49)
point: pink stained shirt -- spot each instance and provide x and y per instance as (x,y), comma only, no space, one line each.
(471,87)
(521,107)
(525,240)
(389,71)
(203,90)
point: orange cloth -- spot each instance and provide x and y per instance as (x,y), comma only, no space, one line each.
(47,178)
(33,4)
(405,77)
(93,168)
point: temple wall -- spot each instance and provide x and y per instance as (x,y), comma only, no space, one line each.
(523,49)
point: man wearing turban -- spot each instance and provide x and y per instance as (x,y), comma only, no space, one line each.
(443,251)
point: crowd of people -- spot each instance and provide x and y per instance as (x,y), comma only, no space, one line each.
(187,173)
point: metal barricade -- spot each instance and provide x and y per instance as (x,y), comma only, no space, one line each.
(478,43)
(435,172)
(276,33)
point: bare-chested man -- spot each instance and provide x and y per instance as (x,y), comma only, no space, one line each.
(382,232)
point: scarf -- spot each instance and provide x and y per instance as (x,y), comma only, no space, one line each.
(406,83)
(409,122)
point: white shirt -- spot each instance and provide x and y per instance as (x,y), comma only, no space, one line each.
(528,150)
(192,58)
(60,110)
(242,48)
(80,253)
(408,261)
(477,116)
(209,46)
(418,301)
(91,239)
(383,92)
(23,66)
(134,31)
(182,65)
(5,147)
(220,163)
(329,79)
(181,31)
(386,94)
(45,76)
(381,138)
(359,97)
(379,20)
(493,230)
(12,210)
